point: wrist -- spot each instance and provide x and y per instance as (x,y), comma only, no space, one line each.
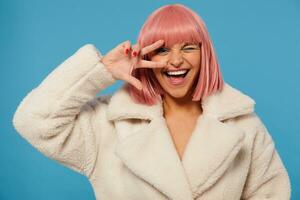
(107,66)
(105,63)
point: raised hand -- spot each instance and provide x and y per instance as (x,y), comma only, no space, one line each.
(121,61)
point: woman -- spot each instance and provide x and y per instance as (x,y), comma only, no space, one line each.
(174,131)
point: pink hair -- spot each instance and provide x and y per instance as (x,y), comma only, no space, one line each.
(176,24)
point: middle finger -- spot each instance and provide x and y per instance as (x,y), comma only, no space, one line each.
(151,47)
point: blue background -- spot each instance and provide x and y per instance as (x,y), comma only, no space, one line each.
(257,43)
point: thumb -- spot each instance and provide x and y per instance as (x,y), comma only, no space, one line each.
(134,81)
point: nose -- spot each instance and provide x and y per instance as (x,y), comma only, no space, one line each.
(175,59)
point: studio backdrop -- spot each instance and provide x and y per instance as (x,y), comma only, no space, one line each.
(257,44)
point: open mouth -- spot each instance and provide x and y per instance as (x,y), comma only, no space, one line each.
(176,77)
(176,74)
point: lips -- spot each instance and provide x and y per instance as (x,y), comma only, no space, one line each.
(176,77)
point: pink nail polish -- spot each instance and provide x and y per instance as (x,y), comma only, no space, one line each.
(134,53)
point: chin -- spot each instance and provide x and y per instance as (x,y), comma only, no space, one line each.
(177,93)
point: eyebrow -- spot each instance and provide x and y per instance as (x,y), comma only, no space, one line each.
(187,44)
(183,45)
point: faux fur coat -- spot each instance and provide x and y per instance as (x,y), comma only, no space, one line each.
(126,151)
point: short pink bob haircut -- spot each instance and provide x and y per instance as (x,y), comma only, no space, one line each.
(174,24)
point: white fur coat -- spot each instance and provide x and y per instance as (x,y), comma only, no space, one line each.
(126,151)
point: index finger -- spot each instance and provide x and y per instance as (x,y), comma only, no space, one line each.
(151,47)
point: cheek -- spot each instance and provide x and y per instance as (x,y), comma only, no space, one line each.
(194,60)
(157,73)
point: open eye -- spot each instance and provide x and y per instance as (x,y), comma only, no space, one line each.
(161,50)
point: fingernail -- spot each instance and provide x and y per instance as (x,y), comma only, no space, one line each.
(126,51)
(134,53)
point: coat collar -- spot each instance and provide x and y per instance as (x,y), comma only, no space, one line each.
(149,152)
(228,103)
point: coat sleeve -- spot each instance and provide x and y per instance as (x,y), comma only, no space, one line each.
(50,116)
(268,177)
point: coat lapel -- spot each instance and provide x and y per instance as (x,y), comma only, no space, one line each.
(212,147)
(148,150)
(214,144)
(149,153)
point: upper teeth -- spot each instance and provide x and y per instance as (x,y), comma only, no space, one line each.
(177,72)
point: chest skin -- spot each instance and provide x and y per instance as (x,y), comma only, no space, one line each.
(181,130)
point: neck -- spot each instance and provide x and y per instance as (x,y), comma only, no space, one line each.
(181,107)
